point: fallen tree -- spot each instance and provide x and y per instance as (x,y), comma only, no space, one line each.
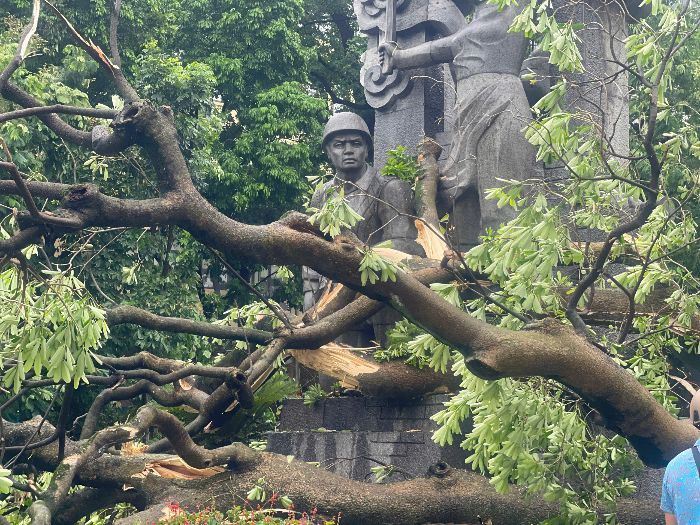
(565,354)
(444,495)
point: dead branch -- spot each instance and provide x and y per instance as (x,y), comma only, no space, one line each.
(96,53)
(23,45)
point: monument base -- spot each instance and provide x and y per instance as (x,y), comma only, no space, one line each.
(350,435)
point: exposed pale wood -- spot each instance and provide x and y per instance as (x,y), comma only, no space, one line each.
(176,468)
(337,361)
(392,255)
(355,368)
(433,245)
(331,292)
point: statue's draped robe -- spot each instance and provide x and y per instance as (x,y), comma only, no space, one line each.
(491,112)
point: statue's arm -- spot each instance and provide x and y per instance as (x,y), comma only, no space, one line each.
(435,52)
(396,214)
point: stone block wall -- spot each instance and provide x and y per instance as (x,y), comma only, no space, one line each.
(349,435)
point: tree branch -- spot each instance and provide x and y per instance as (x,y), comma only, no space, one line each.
(51,120)
(93,50)
(57,108)
(447,495)
(125,314)
(114,33)
(22,46)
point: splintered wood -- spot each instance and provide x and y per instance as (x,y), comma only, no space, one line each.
(331,292)
(176,468)
(133,448)
(337,361)
(433,245)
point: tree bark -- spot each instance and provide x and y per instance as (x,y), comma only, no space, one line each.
(445,496)
(457,497)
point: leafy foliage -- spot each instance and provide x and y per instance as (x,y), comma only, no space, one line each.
(5,482)
(50,327)
(374,267)
(336,213)
(314,393)
(249,122)
(402,165)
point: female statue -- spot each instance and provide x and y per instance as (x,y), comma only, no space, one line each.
(491,109)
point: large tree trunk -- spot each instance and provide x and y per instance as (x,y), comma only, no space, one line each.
(446,495)
(456,497)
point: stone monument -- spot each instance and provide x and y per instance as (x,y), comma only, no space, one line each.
(429,72)
(600,93)
(410,104)
(491,111)
(480,118)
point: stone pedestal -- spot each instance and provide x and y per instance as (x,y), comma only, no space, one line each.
(349,435)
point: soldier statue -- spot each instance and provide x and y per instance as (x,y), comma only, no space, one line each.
(385,203)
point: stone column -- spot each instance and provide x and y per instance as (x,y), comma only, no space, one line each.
(600,94)
(601,91)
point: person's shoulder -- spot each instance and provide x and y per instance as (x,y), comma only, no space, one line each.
(678,463)
(682,457)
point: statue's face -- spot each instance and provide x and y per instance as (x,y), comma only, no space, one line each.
(347,151)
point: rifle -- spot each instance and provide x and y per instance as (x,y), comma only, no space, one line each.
(390,31)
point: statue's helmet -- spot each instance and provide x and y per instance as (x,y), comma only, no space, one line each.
(346,121)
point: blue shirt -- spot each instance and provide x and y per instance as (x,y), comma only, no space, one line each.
(680,495)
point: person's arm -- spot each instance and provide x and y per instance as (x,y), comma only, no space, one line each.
(431,53)
(667,496)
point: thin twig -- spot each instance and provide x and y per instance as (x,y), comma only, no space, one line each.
(273,308)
